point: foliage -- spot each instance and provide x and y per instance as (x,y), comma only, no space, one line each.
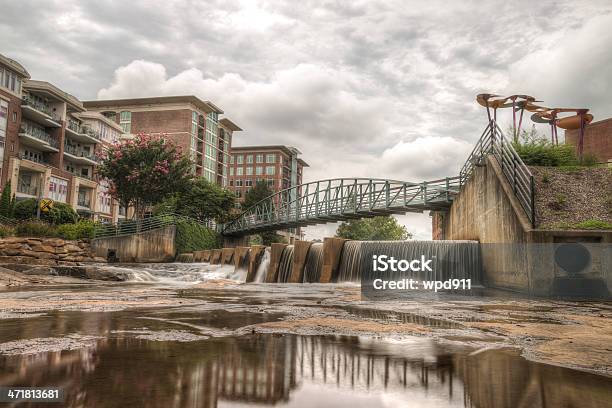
(559,202)
(35,229)
(192,236)
(267,238)
(6,231)
(593,224)
(535,150)
(7,203)
(84,229)
(381,228)
(201,200)
(25,209)
(61,213)
(144,171)
(258,193)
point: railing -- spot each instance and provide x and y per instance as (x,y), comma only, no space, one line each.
(40,106)
(32,130)
(34,159)
(128,227)
(73,150)
(493,142)
(340,199)
(74,126)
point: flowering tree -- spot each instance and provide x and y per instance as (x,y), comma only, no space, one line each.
(143,171)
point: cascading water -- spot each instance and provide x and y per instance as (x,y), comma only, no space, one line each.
(262,269)
(314,263)
(451,259)
(285,264)
(170,273)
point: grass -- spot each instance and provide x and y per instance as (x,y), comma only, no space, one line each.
(586,225)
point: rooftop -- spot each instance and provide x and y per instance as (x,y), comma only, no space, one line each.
(205,106)
(14,65)
(289,150)
(230,125)
(54,92)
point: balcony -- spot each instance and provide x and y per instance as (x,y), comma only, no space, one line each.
(36,137)
(82,133)
(35,159)
(73,154)
(39,112)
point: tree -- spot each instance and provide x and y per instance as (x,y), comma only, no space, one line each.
(201,200)
(382,228)
(143,171)
(7,204)
(259,194)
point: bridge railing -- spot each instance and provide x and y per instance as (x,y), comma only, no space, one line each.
(135,226)
(493,142)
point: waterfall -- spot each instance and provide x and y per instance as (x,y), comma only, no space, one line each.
(451,259)
(350,262)
(285,265)
(314,263)
(262,269)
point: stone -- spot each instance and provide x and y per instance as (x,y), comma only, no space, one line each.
(96,273)
(40,270)
(72,248)
(43,248)
(99,259)
(38,255)
(55,242)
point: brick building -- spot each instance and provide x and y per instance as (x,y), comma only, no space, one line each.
(48,141)
(191,123)
(279,166)
(597,139)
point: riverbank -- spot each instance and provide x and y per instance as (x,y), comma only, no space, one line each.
(569,334)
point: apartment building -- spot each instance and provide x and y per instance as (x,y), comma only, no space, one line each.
(193,124)
(279,166)
(48,143)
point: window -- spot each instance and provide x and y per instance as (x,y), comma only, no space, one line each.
(249,171)
(259,158)
(231,183)
(270,158)
(231,171)
(239,171)
(125,120)
(249,159)
(248,183)
(270,183)
(231,159)
(240,159)
(58,189)
(238,183)
(270,170)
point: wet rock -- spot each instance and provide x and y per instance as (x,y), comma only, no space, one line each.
(40,270)
(93,272)
(47,344)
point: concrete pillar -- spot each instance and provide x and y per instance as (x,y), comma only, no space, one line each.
(227,256)
(215,257)
(240,255)
(255,256)
(332,249)
(300,252)
(275,256)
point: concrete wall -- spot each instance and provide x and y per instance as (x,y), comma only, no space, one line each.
(332,249)
(150,246)
(276,251)
(513,253)
(255,256)
(300,252)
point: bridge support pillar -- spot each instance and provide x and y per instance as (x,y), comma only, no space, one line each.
(300,252)
(332,250)
(227,256)
(257,252)
(275,256)
(206,254)
(240,256)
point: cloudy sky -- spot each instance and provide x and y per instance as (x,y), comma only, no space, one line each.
(363,88)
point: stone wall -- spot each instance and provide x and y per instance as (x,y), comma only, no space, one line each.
(45,251)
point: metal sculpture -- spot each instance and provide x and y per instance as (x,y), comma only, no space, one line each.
(541,114)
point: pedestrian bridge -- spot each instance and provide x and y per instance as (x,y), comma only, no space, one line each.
(342,199)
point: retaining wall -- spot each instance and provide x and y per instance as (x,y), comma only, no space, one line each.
(150,246)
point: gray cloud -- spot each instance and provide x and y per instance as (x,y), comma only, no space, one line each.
(363,88)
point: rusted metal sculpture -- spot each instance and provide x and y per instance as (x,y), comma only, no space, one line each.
(541,114)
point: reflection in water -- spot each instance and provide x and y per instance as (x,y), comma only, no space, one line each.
(298,371)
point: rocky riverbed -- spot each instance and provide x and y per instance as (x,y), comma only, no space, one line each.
(58,329)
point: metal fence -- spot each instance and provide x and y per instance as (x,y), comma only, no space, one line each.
(493,142)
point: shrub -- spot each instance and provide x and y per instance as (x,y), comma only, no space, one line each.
(25,209)
(35,229)
(61,213)
(559,202)
(593,224)
(82,230)
(6,231)
(192,236)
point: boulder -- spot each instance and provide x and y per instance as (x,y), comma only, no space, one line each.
(43,248)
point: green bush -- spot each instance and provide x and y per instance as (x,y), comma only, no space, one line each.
(6,231)
(593,224)
(61,213)
(192,236)
(82,230)
(35,229)
(543,153)
(25,209)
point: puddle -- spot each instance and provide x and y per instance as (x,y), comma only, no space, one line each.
(299,371)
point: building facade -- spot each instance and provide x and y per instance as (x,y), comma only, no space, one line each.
(597,139)
(279,166)
(48,144)
(193,124)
